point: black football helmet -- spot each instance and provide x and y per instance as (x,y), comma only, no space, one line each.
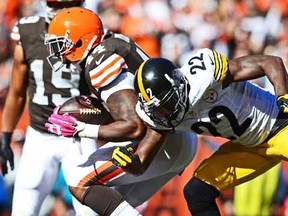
(162,91)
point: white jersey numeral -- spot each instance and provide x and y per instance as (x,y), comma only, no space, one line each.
(37,69)
(40,96)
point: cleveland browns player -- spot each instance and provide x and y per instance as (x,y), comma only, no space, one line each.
(95,169)
(43,152)
(109,62)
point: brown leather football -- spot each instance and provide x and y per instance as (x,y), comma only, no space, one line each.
(87,109)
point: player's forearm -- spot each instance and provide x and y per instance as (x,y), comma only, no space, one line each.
(136,163)
(115,132)
(12,112)
(148,148)
(276,72)
(122,131)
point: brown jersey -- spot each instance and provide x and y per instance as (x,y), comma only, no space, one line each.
(114,55)
(46,88)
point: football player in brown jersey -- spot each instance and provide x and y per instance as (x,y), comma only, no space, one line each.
(109,62)
(43,152)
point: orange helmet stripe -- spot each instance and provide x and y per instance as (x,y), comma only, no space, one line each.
(140,83)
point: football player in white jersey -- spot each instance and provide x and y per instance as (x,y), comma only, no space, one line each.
(109,62)
(33,80)
(211,95)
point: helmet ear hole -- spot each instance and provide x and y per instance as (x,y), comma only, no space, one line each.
(78,44)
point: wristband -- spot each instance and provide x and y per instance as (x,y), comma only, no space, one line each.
(89,131)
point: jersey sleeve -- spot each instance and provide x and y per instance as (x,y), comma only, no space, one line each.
(123,82)
(15,35)
(220,65)
(104,68)
(204,69)
(208,64)
(27,26)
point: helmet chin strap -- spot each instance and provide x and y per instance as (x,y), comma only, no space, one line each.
(89,47)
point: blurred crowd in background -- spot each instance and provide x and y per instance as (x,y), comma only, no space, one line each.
(172,29)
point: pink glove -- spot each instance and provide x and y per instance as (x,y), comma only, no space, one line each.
(51,127)
(65,125)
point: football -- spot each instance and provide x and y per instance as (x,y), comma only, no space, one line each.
(86,109)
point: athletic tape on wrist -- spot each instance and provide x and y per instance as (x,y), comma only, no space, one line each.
(90,131)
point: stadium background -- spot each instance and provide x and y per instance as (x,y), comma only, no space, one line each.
(172,29)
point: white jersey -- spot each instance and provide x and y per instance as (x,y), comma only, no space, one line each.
(241,111)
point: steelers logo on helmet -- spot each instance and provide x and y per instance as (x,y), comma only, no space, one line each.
(161,90)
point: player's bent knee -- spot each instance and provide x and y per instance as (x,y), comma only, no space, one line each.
(78,192)
(200,198)
(101,199)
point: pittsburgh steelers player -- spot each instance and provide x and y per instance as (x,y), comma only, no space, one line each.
(211,95)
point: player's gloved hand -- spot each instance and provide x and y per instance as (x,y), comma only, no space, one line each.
(122,156)
(53,128)
(282,102)
(65,125)
(6,153)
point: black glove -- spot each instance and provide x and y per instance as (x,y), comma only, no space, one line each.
(282,102)
(122,156)
(6,153)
